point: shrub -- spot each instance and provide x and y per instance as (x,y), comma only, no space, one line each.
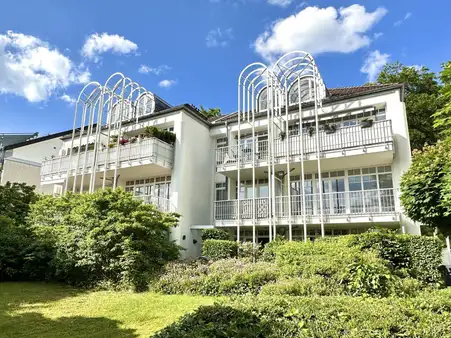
(250,251)
(15,200)
(223,277)
(426,257)
(104,237)
(419,256)
(215,233)
(427,315)
(314,285)
(219,249)
(13,244)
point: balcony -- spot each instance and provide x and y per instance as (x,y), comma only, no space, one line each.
(338,207)
(344,141)
(148,151)
(162,204)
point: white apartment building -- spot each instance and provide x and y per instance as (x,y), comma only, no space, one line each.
(297,159)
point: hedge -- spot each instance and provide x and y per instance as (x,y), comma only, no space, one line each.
(219,249)
(419,256)
(426,316)
(215,234)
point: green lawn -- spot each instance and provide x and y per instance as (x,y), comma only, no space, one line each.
(47,310)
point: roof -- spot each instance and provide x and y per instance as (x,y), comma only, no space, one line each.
(334,94)
(37,140)
(11,138)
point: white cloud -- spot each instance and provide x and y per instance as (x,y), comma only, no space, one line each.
(68,99)
(219,38)
(167,83)
(319,30)
(98,44)
(30,68)
(374,64)
(144,69)
(400,22)
(281,3)
(378,35)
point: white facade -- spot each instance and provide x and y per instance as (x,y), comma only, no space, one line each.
(245,174)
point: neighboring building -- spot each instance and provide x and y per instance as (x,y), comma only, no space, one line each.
(334,169)
(7,139)
(23,158)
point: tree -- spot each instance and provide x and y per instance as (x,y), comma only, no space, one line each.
(425,191)
(422,99)
(104,237)
(211,112)
(442,118)
(15,200)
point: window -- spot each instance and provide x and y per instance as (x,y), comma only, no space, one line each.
(221,142)
(155,186)
(263,99)
(221,191)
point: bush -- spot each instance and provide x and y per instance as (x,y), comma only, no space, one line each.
(223,277)
(106,237)
(250,251)
(425,258)
(419,256)
(219,249)
(215,233)
(15,200)
(427,315)
(314,285)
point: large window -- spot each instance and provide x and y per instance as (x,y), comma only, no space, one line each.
(155,186)
(221,191)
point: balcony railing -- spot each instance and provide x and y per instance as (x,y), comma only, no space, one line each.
(342,138)
(151,149)
(367,202)
(162,204)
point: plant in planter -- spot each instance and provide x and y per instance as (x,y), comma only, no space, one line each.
(330,128)
(311,131)
(134,139)
(283,135)
(123,141)
(91,146)
(114,138)
(111,145)
(366,122)
(151,131)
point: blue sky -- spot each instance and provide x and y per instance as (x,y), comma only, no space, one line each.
(191,51)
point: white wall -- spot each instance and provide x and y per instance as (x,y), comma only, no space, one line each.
(23,164)
(192,181)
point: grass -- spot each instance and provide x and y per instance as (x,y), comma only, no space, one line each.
(49,310)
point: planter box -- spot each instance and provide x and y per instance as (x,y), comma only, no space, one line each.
(366,124)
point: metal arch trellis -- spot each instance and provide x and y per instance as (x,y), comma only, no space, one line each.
(101,109)
(278,81)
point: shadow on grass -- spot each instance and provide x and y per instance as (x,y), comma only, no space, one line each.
(13,296)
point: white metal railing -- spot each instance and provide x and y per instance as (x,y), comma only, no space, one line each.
(342,138)
(162,204)
(366,202)
(153,149)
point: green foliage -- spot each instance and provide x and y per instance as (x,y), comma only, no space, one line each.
(215,233)
(425,258)
(15,200)
(219,249)
(163,135)
(250,251)
(422,99)
(423,196)
(442,117)
(104,237)
(223,277)
(13,244)
(307,286)
(427,315)
(210,112)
